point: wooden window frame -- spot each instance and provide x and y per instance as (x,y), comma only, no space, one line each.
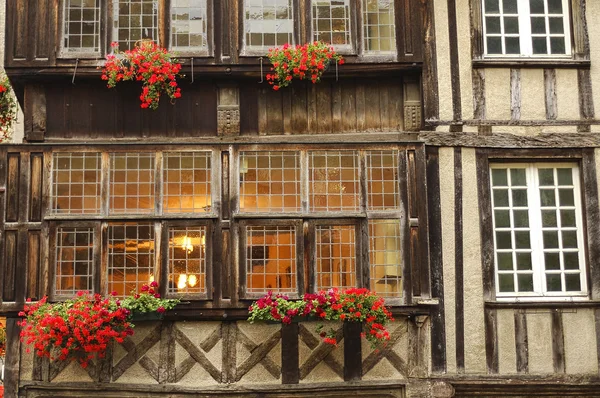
(580,48)
(589,204)
(164,31)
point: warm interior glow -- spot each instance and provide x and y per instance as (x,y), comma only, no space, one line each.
(187,244)
(192,280)
(182,281)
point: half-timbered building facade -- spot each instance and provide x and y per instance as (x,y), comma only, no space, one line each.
(450,165)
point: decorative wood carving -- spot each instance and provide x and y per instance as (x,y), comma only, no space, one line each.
(228,110)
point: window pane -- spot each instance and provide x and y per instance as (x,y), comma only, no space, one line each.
(187,182)
(81,29)
(499,177)
(270,181)
(378,26)
(494,45)
(492,6)
(187,260)
(74,260)
(134,20)
(271,259)
(385,257)
(509,6)
(268,23)
(131,183)
(382,177)
(335,256)
(76,183)
(130,257)
(539,45)
(507,283)
(331,22)
(525,282)
(333,181)
(189,26)
(557,45)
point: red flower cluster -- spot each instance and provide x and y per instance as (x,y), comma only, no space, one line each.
(303,62)
(8,108)
(2,340)
(77,329)
(148,63)
(353,305)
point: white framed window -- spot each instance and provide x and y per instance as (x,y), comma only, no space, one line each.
(538,231)
(331,23)
(81,28)
(267,23)
(526,28)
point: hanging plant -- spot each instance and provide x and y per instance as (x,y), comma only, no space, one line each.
(308,62)
(148,63)
(350,305)
(8,108)
(83,327)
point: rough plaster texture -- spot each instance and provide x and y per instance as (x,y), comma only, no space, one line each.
(507,356)
(26,364)
(463,16)
(533,94)
(446,156)
(258,333)
(497,93)
(443,59)
(73,373)
(539,337)
(473,294)
(580,342)
(321,372)
(567,94)
(384,369)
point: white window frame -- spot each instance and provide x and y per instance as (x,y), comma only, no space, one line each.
(525,35)
(540,292)
(63,50)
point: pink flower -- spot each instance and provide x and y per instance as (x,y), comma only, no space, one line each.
(161,310)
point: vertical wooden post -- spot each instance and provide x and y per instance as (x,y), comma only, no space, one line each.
(290,362)
(352,351)
(12,364)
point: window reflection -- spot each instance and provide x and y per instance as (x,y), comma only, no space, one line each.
(378,26)
(385,257)
(187,182)
(189,26)
(331,22)
(132,183)
(335,256)
(333,181)
(268,23)
(74,260)
(187,260)
(76,183)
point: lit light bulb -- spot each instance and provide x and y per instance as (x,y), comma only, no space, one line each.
(187,244)
(192,280)
(182,281)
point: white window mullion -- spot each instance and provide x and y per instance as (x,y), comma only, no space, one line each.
(537,241)
(525,28)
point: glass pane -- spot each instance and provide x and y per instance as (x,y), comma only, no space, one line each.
(566,197)
(547,197)
(81,28)
(331,21)
(267,22)
(507,283)
(492,25)
(503,240)
(131,183)
(536,6)
(519,197)
(518,177)
(567,218)
(492,6)
(74,260)
(499,177)
(130,257)
(549,218)
(187,260)
(572,282)
(522,238)
(525,282)
(512,45)
(521,218)
(509,6)
(383,182)
(540,46)
(135,21)
(385,257)
(552,261)
(550,239)
(187,182)
(538,25)
(524,261)
(76,183)
(335,256)
(270,181)
(546,177)
(378,26)
(502,218)
(571,260)
(553,283)
(189,26)
(569,239)
(333,181)
(556,25)
(555,7)
(511,25)
(565,176)
(494,45)
(505,261)
(557,45)
(271,259)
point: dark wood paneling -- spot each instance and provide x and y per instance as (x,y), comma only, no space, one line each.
(12,187)
(454,61)
(438,325)
(558,342)
(290,363)
(521,341)
(13,356)
(592,219)
(491,340)
(33,264)
(352,351)
(36,187)
(458,261)
(18,15)
(10,265)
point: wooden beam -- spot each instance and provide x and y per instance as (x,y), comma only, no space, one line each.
(35,112)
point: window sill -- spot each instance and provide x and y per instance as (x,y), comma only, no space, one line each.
(531,63)
(543,305)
